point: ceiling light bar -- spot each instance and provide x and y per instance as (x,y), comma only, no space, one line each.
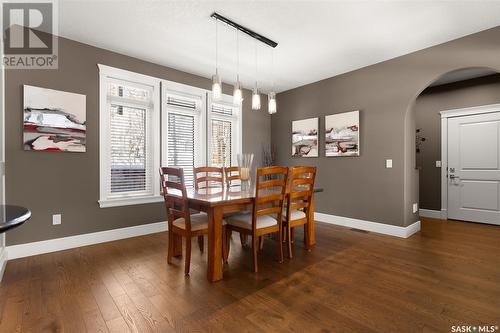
(241,28)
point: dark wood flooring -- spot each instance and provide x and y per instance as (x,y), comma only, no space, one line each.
(448,274)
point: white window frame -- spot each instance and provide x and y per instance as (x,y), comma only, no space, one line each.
(107,74)
(236,126)
(198,94)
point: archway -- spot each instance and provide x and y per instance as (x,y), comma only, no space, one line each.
(459,88)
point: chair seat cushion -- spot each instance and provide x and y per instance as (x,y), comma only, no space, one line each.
(245,221)
(295,215)
(198,222)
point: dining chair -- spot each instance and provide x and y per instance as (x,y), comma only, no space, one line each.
(298,201)
(180,220)
(232,176)
(268,201)
(208,177)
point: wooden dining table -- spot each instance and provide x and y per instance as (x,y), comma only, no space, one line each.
(219,201)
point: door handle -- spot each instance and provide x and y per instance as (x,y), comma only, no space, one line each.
(454,177)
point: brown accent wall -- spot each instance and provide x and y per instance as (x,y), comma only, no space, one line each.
(361,187)
(68,183)
(475,92)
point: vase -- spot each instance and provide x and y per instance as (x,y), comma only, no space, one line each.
(245,164)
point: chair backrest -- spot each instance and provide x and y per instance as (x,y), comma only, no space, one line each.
(300,188)
(232,176)
(208,177)
(175,194)
(270,191)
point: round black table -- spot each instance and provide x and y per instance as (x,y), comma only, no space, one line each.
(12,216)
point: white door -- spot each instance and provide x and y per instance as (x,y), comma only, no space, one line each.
(474,168)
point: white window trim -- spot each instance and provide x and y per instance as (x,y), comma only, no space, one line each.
(106,73)
(159,123)
(236,131)
(170,87)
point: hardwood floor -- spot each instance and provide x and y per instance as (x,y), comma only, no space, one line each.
(448,274)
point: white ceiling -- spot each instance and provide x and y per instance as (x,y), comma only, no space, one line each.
(317,39)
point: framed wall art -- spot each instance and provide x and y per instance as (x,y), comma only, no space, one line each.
(305,137)
(54,120)
(342,134)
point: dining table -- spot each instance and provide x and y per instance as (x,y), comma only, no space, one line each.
(216,202)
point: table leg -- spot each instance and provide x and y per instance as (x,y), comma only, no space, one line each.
(214,269)
(309,237)
(177,245)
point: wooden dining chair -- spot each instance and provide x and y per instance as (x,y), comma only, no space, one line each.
(180,220)
(298,202)
(266,216)
(208,177)
(232,176)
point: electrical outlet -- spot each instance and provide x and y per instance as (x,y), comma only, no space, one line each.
(56,219)
(415,207)
(438,164)
(388,164)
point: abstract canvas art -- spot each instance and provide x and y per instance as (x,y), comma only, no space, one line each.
(342,134)
(305,138)
(54,120)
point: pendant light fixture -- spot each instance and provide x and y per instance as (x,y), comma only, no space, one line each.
(237,93)
(271,106)
(216,80)
(271,97)
(255,91)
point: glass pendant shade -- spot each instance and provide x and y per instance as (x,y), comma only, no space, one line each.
(216,87)
(271,106)
(255,99)
(237,93)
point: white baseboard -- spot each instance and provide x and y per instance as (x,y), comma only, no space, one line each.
(380,228)
(58,244)
(435,214)
(3,262)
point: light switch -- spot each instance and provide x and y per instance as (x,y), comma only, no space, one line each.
(438,164)
(415,207)
(56,219)
(388,164)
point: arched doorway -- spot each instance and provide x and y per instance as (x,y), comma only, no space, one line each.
(457,89)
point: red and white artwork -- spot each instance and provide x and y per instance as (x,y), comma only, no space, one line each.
(305,138)
(54,120)
(342,134)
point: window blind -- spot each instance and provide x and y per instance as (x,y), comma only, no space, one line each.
(181,102)
(181,143)
(222,109)
(130,158)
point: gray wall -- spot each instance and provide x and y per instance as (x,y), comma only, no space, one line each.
(361,187)
(475,92)
(68,183)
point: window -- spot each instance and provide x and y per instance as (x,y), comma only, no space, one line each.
(224,129)
(183,127)
(129,137)
(197,132)
(138,133)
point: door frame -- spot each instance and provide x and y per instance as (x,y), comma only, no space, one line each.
(3,240)
(445,115)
